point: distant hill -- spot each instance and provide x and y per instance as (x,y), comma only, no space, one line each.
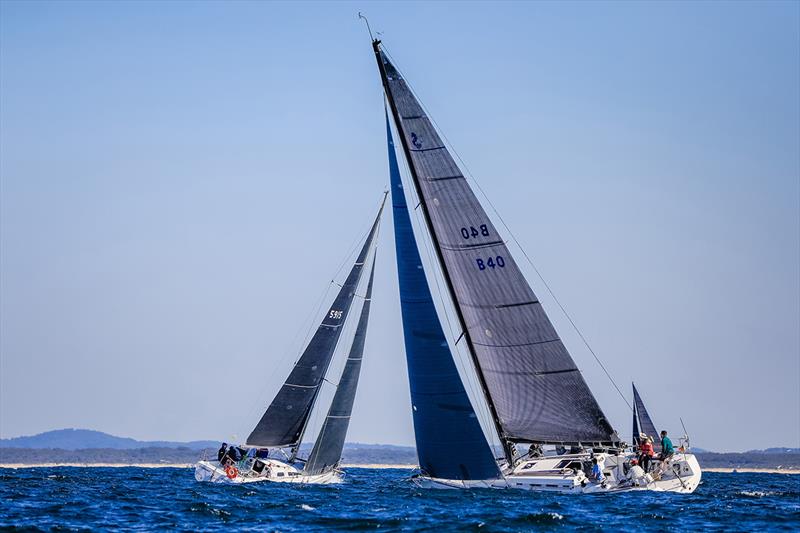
(776,450)
(80,439)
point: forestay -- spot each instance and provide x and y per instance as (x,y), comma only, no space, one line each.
(285,420)
(535,389)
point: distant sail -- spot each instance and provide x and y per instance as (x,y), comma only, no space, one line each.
(534,388)
(286,418)
(450,442)
(644,422)
(327,451)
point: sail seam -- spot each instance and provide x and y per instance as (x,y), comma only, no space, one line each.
(443,178)
(516,345)
(470,246)
(498,306)
(518,304)
(427,149)
(545,373)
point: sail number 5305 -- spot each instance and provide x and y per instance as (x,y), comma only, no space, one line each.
(492,262)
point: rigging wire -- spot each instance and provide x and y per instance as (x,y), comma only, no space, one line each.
(511,234)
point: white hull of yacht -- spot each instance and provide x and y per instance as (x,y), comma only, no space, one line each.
(681,473)
(274,472)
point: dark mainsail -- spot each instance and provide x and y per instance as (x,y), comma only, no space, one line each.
(450,442)
(642,423)
(328,448)
(533,387)
(285,420)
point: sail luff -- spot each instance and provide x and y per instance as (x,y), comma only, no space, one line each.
(507,446)
(450,441)
(327,451)
(284,422)
(532,385)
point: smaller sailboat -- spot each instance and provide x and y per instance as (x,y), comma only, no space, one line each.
(676,472)
(285,421)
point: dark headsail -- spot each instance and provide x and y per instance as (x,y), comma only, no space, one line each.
(533,387)
(286,418)
(328,448)
(450,443)
(642,419)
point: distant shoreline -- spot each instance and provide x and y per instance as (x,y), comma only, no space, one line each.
(169,465)
(377,466)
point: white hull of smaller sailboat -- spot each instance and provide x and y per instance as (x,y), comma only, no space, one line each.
(681,473)
(274,471)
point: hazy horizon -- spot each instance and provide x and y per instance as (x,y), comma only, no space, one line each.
(179,182)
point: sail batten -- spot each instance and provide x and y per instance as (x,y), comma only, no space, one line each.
(286,418)
(519,359)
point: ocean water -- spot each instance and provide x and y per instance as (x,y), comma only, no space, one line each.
(169,498)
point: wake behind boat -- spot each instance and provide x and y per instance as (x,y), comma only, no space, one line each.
(533,390)
(280,430)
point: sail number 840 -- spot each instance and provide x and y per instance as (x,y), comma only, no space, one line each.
(492,262)
(472,232)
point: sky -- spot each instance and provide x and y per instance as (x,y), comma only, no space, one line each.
(179,183)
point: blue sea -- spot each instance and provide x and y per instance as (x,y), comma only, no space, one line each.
(67,498)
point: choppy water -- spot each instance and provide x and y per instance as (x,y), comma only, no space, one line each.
(170,498)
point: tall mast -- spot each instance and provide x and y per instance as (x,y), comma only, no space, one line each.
(508,446)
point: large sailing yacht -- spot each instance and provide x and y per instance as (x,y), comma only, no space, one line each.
(533,389)
(284,423)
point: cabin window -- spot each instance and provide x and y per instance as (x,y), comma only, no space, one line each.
(280,474)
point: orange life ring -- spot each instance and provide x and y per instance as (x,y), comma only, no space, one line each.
(231,471)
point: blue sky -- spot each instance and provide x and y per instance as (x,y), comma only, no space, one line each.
(180,181)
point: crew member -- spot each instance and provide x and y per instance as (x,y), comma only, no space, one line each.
(221,451)
(667,450)
(597,472)
(637,475)
(535,450)
(646,453)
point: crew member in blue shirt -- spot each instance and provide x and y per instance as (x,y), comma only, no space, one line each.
(597,472)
